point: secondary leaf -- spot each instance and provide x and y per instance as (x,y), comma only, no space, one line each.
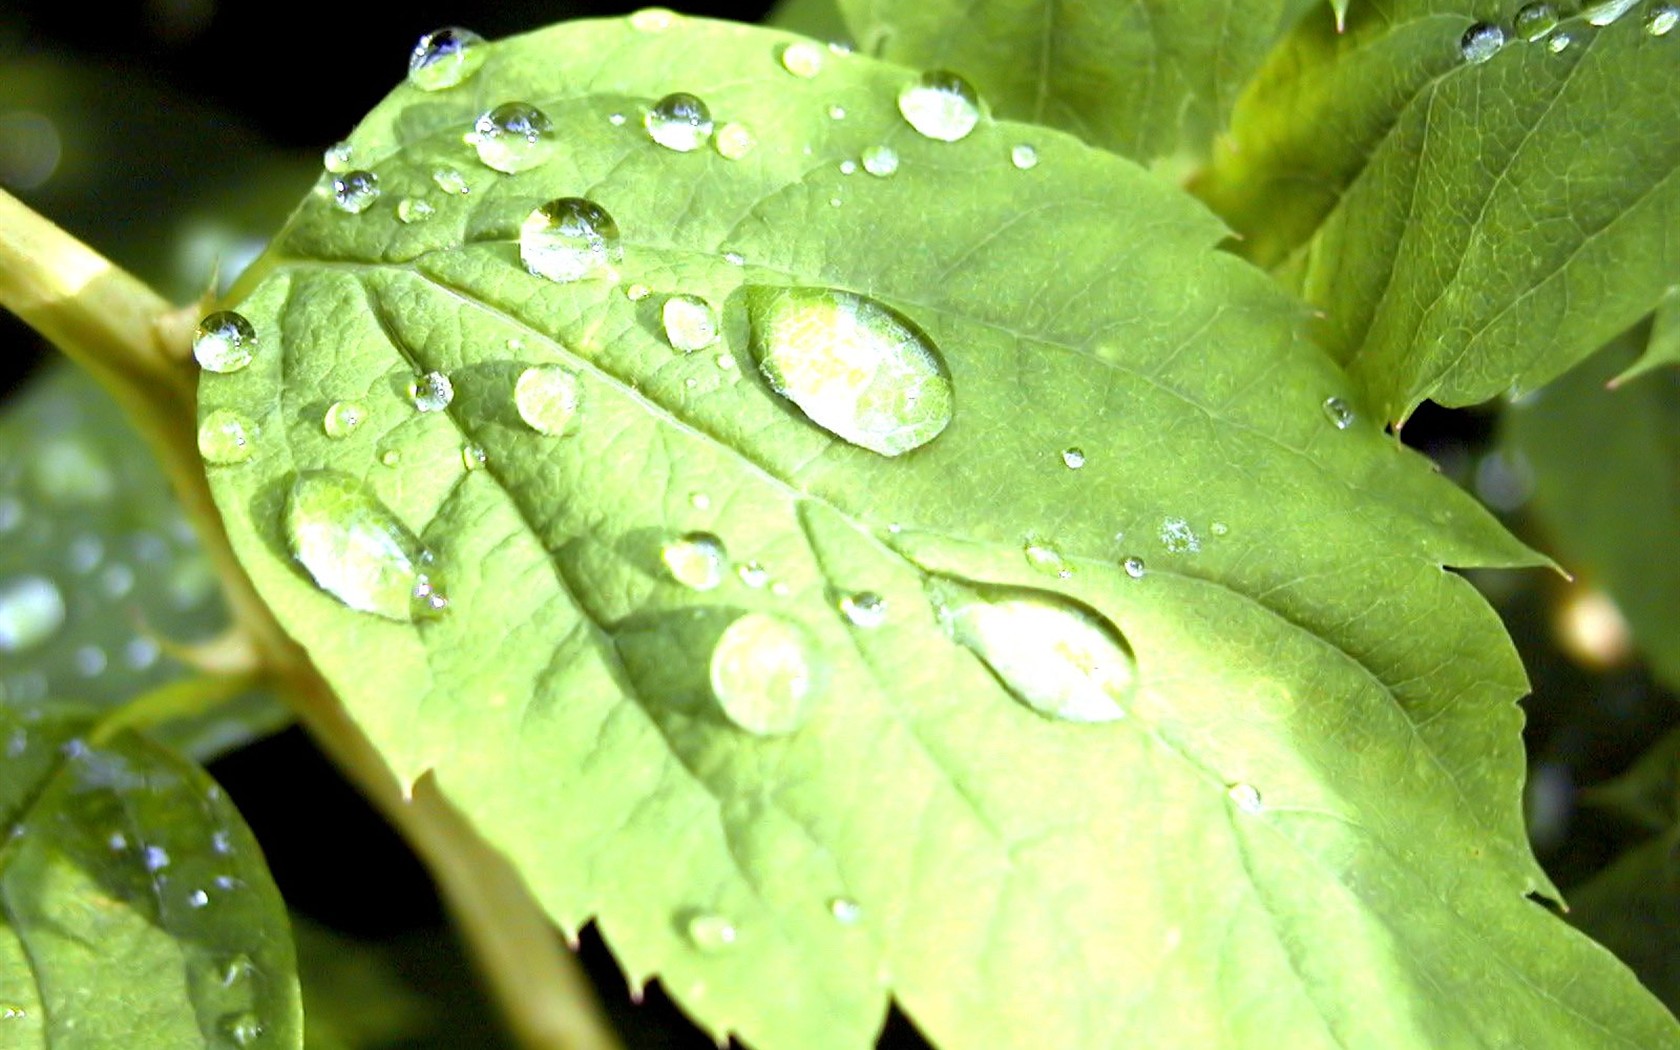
(136,907)
(1485,225)
(747,691)
(1663,346)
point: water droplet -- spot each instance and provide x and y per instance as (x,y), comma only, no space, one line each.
(1134,567)
(431,392)
(221,842)
(1481,42)
(11,513)
(802,59)
(1045,558)
(117,580)
(1338,412)
(31,611)
(848,167)
(1662,19)
(445,57)
(338,157)
(1178,537)
(711,933)
(854,366)
(680,122)
(236,970)
(1246,796)
(141,653)
(845,910)
(513,137)
(155,858)
(1024,157)
(695,559)
(735,258)
(198,899)
(940,105)
(864,609)
(451,181)
(343,418)
(1073,457)
(90,661)
(690,323)
(355,191)
(225,438)
(880,161)
(1608,12)
(13,1013)
(84,555)
(637,292)
(242,1029)
(699,501)
(734,141)
(761,675)
(1060,658)
(390,457)
(224,342)
(615,119)
(752,574)
(1534,21)
(357,550)
(652,20)
(413,209)
(1559,43)
(1219,528)
(836,112)
(473,457)
(546,397)
(570,239)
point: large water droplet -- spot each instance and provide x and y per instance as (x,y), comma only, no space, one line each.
(710,933)
(1608,12)
(864,609)
(431,392)
(804,60)
(31,611)
(854,366)
(1481,42)
(1058,657)
(680,122)
(355,191)
(547,397)
(940,105)
(695,559)
(445,57)
(1662,19)
(880,161)
(734,141)
(1534,21)
(343,418)
(357,550)
(225,438)
(224,342)
(513,137)
(570,239)
(690,323)
(761,675)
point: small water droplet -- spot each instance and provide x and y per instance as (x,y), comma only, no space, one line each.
(31,611)
(445,57)
(224,342)
(1219,528)
(1073,457)
(761,675)
(547,397)
(846,911)
(451,181)
(1058,657)
(198,899)
(11,513)
(854,366)
(652,20)
(680,122)
(1134,567)
(338,157)
(940,105)
(221,842)
(1178,537)
(690,323)
(355,191)
(473,457)
(431,392)
(569,239)
(734,141)
(155,858)
(236,970)
(84,554)
(1246,797)
(734,258)
(513,137)
(242,1029)
(1024,157)
(1043,557)
(141,652)
(836,112)
(117,580)
(390,457)
(343,418)
(637,292)
(696,560)
(752,574)
(1608,12)
(699,501)
(1534,21)
(225,438)
(711,933)
(616,119)
(90,661)
(357,550)
(864,609)
(1338,412)
(1481,42)
(1559,43)
(413,209)
(802,59)
(880,161)
(848,167)
(1662,19)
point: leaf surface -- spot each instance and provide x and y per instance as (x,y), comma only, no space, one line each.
(1305,819)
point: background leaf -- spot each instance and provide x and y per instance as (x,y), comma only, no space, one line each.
(1321,746)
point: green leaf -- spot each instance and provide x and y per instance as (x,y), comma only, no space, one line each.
(1304,826)
(1145,78)
(1606,466)
(1484,226)
(1663,347)
(136,905)
(814,18)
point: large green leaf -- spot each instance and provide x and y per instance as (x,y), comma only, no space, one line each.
(135,907)
(1142,77)
(1305,827)
(1484,225)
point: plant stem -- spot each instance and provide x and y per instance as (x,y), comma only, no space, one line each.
(170,702)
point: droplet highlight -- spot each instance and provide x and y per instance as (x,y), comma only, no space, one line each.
(761,675)
(31,612)
(846,912)
(940,105)
(710,933)
(546,398)
(225,438)
(445,57)
(224,342)
(570,239)
(357,550)
(513,137)
(1609,12)
(680,122)
(696,560)
(690,323)
(450,181)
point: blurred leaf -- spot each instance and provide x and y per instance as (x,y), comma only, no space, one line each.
(819,19)
(1649,793)
(1663,347)
(1633,908)
(354,997)
(138,911)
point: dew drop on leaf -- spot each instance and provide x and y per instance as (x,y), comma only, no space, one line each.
(445,57)
(1246,797)
(1609,11)
(225,438)
(224,342)
(513,137)
(450,181)
(355,191)
(413,209)
(1056,656)
(845,910)
(752,574)
(940,105)
(1534,21)
(1073,457)
(357,550)
(695,559)
(734,141)
(431,392)
(1481,42)
(546,398)
(880,161)
(235,970)
(338,157)
(31,611)
(802,59)
(680,122)
(1134,568)
(242,1029)
(1045,558)
(854,366)
(1662,19)
(761,675)
(1178,537)
(473,457)
(690,323)
(343,418)
(710,933)
(1024,157)
(1559,43)
(1338,412)
(569,239)
(652,20)
(864,609)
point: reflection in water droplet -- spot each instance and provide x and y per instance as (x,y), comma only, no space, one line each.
(569,239)
(710,933)
(880,161)
(802,59)
(357,550)
(1338,412)
(696,560)
(31,611)
(242,1029)
(1073,457)
(513,137)
(1178,537)
(1134,567)
(761,675)
(1481,42)
(451,181)
(355,191)
(225,438)
(854,366)
(940,105)
(1246,796)
(445,57)
(224,342)
(864,609)
(690,323)
(338,157)
(1024,157)
(1060,658)
(413,209)
(734,141)
(343,418)
(1559,43)
(680,122)
(1534,21)
(845,910)
(1662,19)
(547,397)
(1608,12)
(431,392)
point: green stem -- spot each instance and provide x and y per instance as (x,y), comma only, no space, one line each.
(186,698)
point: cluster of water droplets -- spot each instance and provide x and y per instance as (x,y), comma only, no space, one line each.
(1544,22)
